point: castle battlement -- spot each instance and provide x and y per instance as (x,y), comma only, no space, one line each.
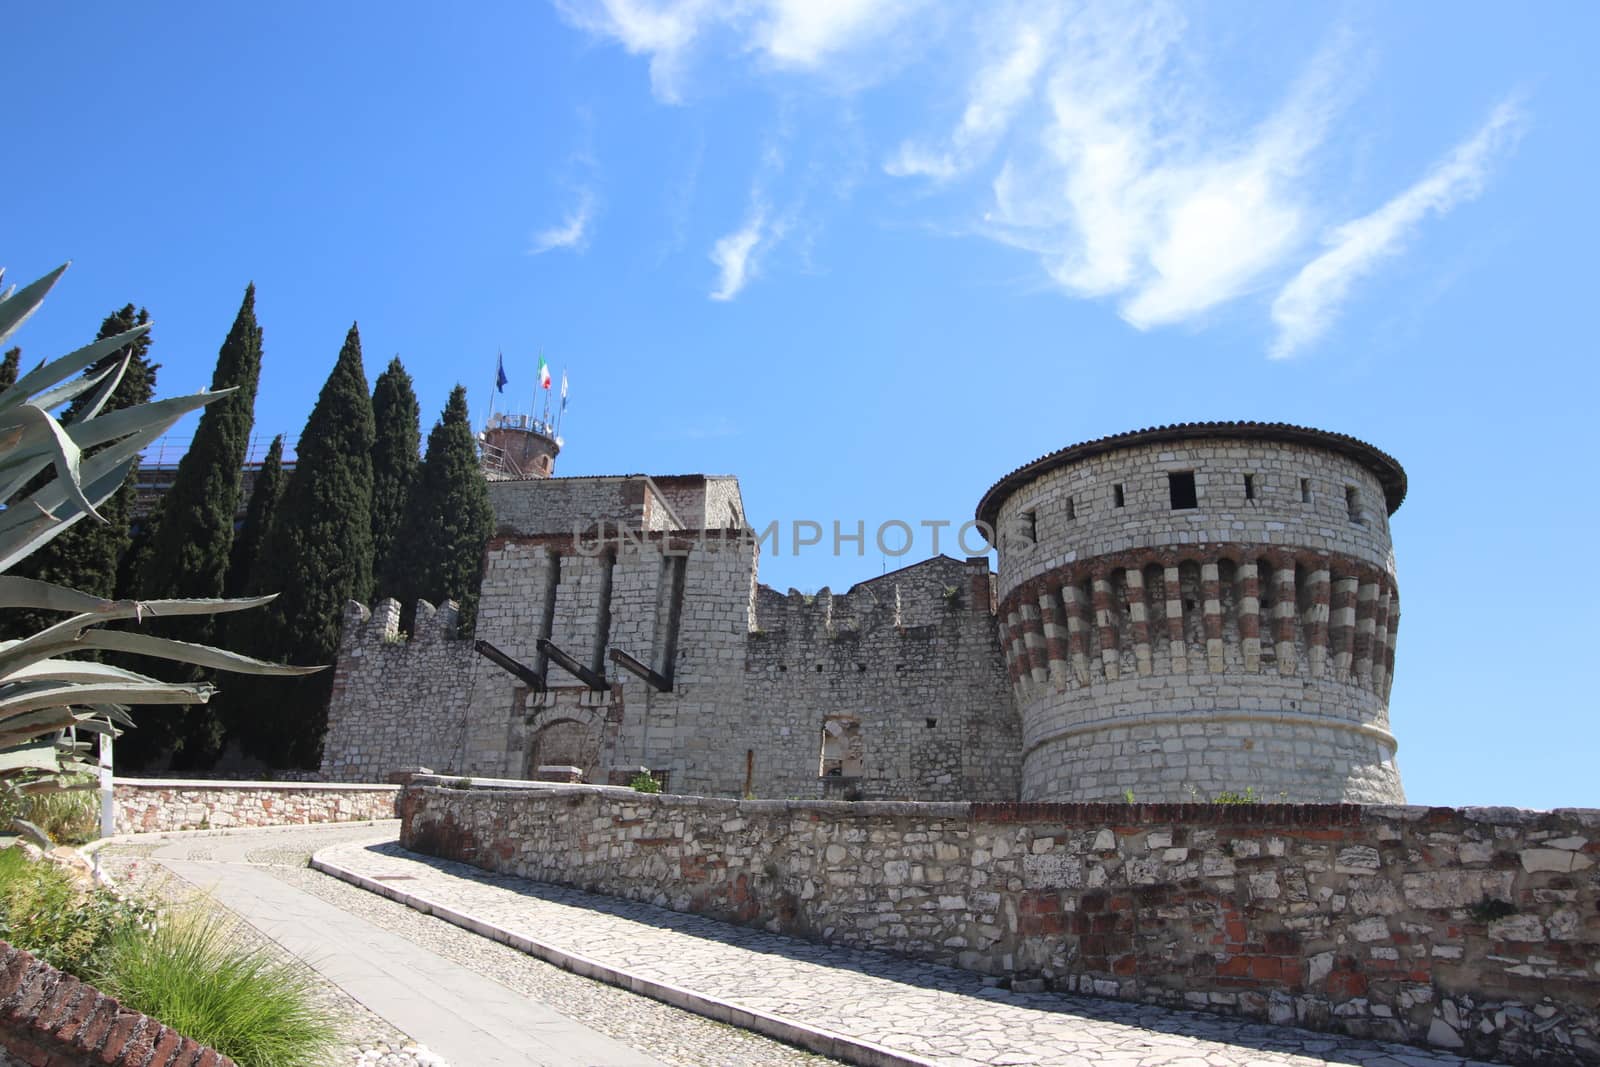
(381,625)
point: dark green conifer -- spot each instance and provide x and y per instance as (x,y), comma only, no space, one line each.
(448,520)
(394,460)
(193,541)
(10,368)
(318,556)
(265,494)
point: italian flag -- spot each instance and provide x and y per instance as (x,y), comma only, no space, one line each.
(544,374)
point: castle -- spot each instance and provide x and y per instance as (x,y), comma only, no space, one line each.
(1178,612)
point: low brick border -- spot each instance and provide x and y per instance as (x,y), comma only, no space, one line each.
(51,1019)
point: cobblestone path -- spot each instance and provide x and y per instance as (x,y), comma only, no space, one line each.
(913,1012)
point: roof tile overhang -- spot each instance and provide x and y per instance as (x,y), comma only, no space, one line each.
(1387,469)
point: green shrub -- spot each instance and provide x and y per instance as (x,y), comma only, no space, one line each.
(1230,797)
(70,817)
(247,1003)
(645,783)
(44,910)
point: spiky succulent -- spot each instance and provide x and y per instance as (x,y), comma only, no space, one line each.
(48,702)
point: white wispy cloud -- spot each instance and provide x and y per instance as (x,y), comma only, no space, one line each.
(1306,307)
(573,232)
(1003,83)
(735,254)
(1134,190)
(787,34)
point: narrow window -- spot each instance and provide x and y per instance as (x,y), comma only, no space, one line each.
(1305,490)
(842,750)
(1249,486)
(1072,509)
(1116,495)
(1181,486)
(1030,527)
(931,723)
(1352,503)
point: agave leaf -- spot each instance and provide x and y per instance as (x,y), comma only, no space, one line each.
(62,450)
(188,652)
(48,374)
(26,457)
(76,670)
(74,387)
(32,833)
(64,636)
(137,420)
(35,755)
(24,535)
(31,593)
(16,308)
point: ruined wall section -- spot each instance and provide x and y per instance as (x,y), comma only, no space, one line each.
(1245,641)
(398,700)
(902,671)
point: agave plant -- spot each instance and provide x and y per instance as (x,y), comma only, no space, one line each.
(47,703)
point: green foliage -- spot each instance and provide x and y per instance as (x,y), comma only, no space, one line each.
(192,540)
(319,556)
(247,1003)
(1230,797)
(44,910)
(86,556)
(265,496)
(394,460)
(1127,796)
(645,783)
(448,521)
(10,367)
(48,698)
(70,815)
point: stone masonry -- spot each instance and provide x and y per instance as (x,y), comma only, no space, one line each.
(1178,613)
(1202,609)
(1474,930)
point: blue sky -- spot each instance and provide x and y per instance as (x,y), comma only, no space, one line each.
(869,257)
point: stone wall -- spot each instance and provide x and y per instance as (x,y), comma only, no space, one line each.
(149,805)
(908,664)
(48,1017)
(1246,640)
(1475,930)
(397,700)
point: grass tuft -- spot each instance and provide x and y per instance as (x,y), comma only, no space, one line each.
(246,1003)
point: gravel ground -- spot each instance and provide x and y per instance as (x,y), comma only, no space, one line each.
(670,1034)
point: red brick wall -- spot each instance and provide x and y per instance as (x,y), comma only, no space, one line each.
(51,1019)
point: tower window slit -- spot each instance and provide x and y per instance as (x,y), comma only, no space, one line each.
(1180,486)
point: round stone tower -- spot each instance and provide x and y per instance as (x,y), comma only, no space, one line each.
(518,446)
(1198,609)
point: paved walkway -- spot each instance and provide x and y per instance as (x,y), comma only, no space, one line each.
(466,1018)
(866,1007)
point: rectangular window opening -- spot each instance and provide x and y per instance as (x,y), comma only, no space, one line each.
(1072,510)
(1249,486)
(1352,503)
(1181,486)
(1116,495)
(1305,490)
(1030,527)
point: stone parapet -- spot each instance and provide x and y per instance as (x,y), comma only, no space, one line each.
(1474,930)
(150,805)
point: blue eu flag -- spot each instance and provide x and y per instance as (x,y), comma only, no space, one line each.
(500,378)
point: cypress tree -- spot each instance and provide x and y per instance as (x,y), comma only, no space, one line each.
(10,367)
(265,495)
(191,545)
(448,519)
(318,556)
(86,557)
(394,460)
